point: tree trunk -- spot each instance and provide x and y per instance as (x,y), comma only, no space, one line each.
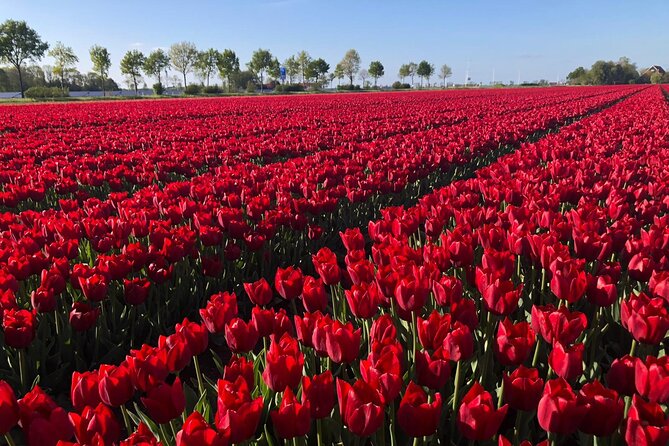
(351,78)
(184,73)
(159,78)
(104,91)
(18,68)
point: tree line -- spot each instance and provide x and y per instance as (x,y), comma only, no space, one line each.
(21,45)
(622,71)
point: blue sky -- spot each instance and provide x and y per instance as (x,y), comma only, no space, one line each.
(534,39)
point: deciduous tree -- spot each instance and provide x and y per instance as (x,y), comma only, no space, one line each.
(101,64)
(19,43)
(350,64)
(424,71)
(206,63)
(183,56)
(444,73)
(228,65)
(376,70)
(262,62)
(131,66)
(64,59)
(155,63)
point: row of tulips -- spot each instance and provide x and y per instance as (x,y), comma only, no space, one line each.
(100,267)
(524,304)
(122,150)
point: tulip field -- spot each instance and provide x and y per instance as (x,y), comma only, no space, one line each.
(484,267)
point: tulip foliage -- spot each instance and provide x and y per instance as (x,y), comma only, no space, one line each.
(435,268)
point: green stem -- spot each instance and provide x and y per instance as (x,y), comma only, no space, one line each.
(22,369)
(126,420)
(319,432)
(334,300)
(9,439)
(535,358)
(165,436)
(198,372)
(633,347)
(456,391)
(393,439)
(174,432)
(500,400)
(414,324)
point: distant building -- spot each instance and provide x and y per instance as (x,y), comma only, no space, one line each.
(648,72)
(654,69)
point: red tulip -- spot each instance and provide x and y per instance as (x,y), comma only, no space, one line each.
(459,343)
(289,282)
(569,281)
(604,409)
(259,292)
(94,287)
(478,417)
(9,408)
(647,425)
(384,373)
(283,363)
(83,316)
(237,413)
(651,378)
(447,290)
(292,419)
(433,330)
(364,299)
(239,366)
(567,361)
(314,297)
(84,390)
(197,432)
(501,296)
(136,291)
(196,336)
(433,371)
(352,239)
(415,415)
(99,421)
(559,410)
(221,309)
(42,420)
(558,325)
(360,407)
(43,300)
(325,262)
(115,384)
(523,388)
(143,437)
(342,342)
(514,342)
(241,336)
(620,376)
(165,402)
(320,393)
(19,327)
(412,292)
(148,366)
(646,319)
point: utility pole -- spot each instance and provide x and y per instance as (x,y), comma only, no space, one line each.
(467,74)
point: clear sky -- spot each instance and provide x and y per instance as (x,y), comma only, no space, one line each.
(530,39)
